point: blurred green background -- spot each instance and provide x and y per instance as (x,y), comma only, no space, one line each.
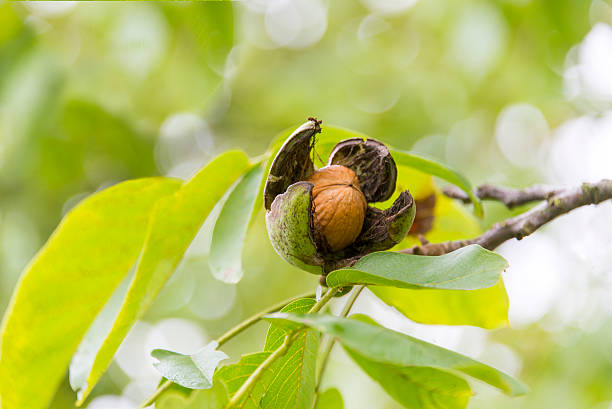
(512,92)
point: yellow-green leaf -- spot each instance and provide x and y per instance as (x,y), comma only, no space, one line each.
(177,397)
(485,308)
(66,285)
(231,228)
(434,168)
(173,226)
(330,399)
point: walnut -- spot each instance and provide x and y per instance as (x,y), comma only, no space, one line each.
(323,220)
(339,206)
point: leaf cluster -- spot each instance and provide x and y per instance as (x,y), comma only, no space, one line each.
(64,311)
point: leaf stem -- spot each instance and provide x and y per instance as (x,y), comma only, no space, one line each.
(229,335)
(351,300)
(160,389)
(329,294)
(326,349)
(255,318)
(250,382)
(280,351)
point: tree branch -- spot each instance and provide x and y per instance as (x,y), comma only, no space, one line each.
(559,202)
(510,197)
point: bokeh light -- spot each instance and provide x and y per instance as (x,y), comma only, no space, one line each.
(295,23)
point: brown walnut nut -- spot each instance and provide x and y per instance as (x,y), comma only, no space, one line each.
(339,206)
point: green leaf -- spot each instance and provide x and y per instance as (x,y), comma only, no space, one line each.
(291,379)
(173,226)
(175,389)
(485,308)
(231,228)
(330,399)
(176,398)
(394,348)
(191,371)
(468,268)
(276,334)
(290,382)
(292,385)
(432,167)
(417,387)
(68,283)
(233,376)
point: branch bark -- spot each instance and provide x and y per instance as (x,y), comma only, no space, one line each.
(558,202)
(510,197)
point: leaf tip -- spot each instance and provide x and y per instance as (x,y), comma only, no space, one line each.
(520,390)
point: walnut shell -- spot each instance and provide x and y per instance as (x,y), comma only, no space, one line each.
(331,225)
(339,206)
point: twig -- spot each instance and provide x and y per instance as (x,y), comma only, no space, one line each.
(510,197)
(226,337)
(561,202)
(280,351)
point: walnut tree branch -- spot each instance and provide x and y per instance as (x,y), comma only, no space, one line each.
(560,202)
(510,197)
